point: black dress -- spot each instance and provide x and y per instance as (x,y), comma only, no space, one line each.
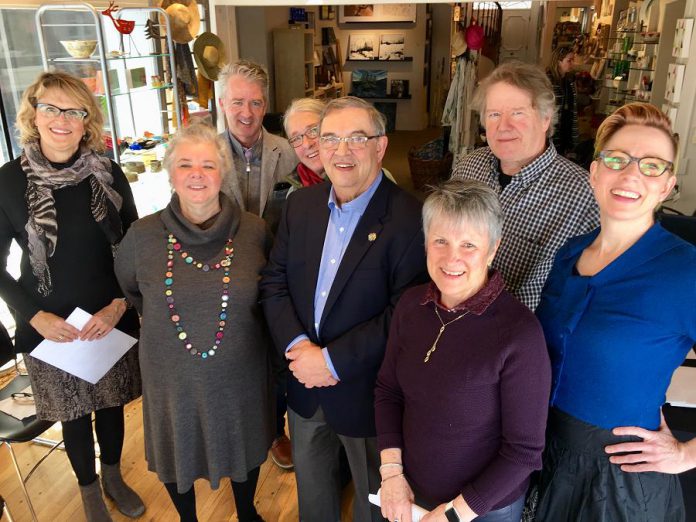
(82,273)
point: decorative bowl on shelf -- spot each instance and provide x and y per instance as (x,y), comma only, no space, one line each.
(79,48)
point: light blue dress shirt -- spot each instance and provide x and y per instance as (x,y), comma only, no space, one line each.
(343,219)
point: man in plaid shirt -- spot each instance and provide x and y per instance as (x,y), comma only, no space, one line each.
(546,198)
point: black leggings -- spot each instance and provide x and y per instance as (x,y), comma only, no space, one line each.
(79,442)
(243,492)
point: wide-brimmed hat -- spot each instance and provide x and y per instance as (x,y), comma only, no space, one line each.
(474,37)
(184,19)
(458,43)
(209,52)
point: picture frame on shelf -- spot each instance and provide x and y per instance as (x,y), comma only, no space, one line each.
(136,77)
(391,47)
(399,88)
(361,46)
(380,13)
(327,12)
(368,83)
(682,37)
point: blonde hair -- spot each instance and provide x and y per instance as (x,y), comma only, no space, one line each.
(527,77)
(70,86)
(198,131)
(250,71)
(636,113)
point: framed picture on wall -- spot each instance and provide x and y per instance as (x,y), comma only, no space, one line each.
(399,89)
(369,84)
(361,47)
(682,38)
(389,111)
(366,13)
(391,47)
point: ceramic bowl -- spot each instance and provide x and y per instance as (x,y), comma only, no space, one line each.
(79,48)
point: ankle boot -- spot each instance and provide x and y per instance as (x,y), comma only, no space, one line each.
(93,503)
(127,501)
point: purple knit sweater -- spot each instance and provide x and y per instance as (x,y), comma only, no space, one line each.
(472,419)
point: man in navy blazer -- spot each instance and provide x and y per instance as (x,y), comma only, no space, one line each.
(343,255)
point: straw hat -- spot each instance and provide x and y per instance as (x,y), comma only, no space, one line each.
(209,52)
(184,19)
(458,43)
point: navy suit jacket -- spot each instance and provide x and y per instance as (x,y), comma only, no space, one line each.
(355,323)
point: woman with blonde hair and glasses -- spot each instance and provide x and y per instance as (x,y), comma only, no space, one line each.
(619,317)
(68,207)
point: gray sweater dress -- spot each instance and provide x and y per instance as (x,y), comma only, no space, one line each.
(204,417)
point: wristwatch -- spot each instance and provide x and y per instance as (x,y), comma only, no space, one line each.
(451,512)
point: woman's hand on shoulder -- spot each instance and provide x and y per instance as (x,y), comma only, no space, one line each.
(54,328)
(659,451)
(103,321)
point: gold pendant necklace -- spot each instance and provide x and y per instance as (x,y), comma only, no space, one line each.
(439,334)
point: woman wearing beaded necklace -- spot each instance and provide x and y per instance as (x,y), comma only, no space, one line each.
(461,395)
(191,271)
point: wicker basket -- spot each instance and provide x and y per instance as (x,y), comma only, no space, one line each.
(428,170)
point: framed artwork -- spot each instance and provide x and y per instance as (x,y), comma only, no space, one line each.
(399,89)
(369,84)
(361,47)
(136,77)
(367,13)
(391,47)
(675,78)
(682,37)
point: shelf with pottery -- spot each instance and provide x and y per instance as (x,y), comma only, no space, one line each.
(134,85)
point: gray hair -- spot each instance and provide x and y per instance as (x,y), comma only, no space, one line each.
(302,105)
(250,71)
(379,123)
(465,201)
(198,131)
(527,77)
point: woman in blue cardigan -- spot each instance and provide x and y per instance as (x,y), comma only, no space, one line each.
(619,317)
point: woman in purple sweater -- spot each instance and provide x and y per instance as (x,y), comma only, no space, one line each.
(461,397)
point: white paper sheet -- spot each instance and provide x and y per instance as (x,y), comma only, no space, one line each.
(19,409)
(417,512)
(88,360)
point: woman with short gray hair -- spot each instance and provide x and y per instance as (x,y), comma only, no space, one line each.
(462,392)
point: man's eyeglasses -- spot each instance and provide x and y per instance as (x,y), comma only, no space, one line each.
(648,166)
(51,111)
(311,134)
(353,142)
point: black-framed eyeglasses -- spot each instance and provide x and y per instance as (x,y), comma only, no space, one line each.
(22,395)
(311,133)
(52,111)
(353,142)
(648,166)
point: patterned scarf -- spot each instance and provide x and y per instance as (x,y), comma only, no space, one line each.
(42,180)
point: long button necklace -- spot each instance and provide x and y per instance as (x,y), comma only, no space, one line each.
(173,246)
(439,334)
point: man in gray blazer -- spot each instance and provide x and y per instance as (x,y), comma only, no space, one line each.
(257,184)
(261,160)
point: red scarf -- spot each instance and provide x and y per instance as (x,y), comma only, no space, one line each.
(307,176)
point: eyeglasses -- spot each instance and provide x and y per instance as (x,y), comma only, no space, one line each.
(648,166)
(311,134)
(51,111)
(353,142)
(23,396)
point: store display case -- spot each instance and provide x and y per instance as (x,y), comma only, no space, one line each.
(125,57)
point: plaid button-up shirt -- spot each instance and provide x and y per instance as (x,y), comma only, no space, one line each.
(546,203)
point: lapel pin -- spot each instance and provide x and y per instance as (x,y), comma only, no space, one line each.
(371,236)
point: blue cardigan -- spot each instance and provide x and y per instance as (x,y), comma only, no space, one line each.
(615,338)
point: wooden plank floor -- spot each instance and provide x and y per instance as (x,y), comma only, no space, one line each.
(54,491)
